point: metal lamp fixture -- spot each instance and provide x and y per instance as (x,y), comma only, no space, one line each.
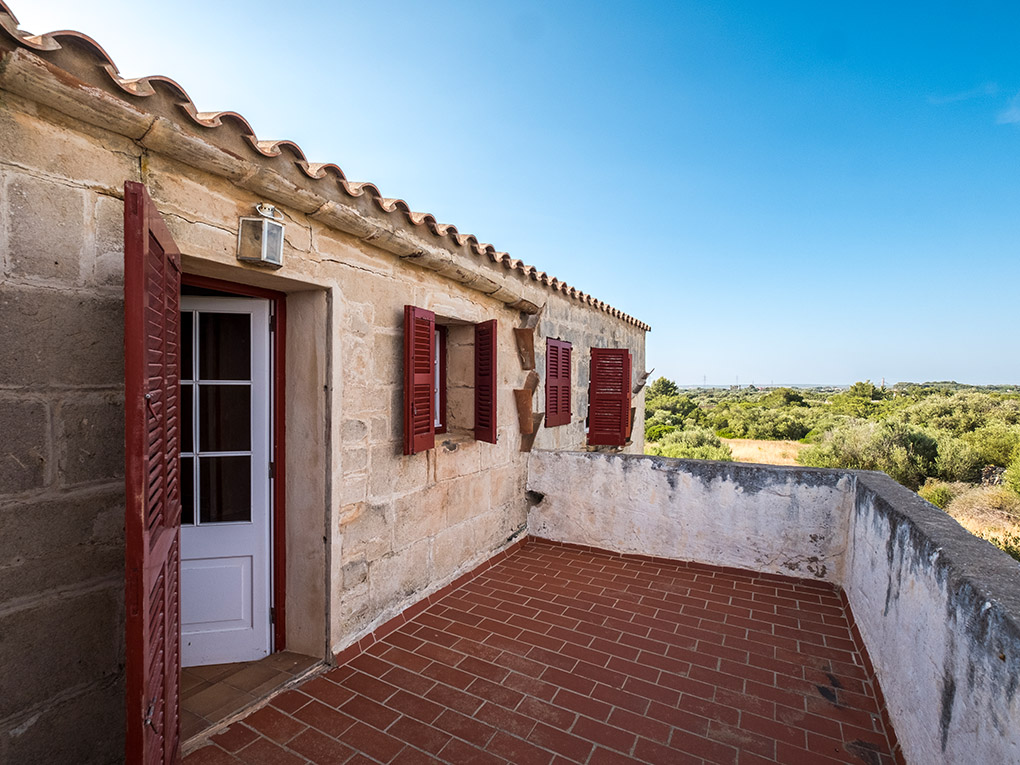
(260,240)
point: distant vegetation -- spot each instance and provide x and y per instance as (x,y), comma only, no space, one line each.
(957,445)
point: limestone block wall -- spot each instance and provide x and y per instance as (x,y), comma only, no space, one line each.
(779,520)
(61,441)
(939,610)
(561,320)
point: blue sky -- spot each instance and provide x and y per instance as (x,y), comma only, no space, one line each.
(787,192)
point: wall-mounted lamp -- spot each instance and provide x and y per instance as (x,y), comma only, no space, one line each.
(260,240)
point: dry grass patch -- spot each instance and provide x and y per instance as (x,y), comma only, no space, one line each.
(764,452)
(986,510)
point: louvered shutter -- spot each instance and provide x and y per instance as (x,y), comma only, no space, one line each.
(485,381)
(557,383)
(153,515)
(609,397)
(419,379)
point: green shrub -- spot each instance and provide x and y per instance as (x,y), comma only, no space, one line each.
(655,432)
(957,460)
(906,454)
(938,493)
(1006,541)
(1011,480)
(995,443)
(696,444)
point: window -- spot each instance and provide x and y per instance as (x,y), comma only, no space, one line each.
(430,381)
(440,372)
(609,415)
(557,383)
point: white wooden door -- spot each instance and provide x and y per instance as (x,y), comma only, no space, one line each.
(225,481)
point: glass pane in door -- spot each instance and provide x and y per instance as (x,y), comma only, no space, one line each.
(224,493)
(224,346)
(225,421)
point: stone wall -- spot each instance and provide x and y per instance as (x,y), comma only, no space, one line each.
(939,610)
(779,520)
(61,444)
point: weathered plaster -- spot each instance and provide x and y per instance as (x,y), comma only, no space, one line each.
(939,611)
(780,520)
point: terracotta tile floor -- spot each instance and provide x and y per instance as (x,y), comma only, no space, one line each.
(217,691)
(559,654)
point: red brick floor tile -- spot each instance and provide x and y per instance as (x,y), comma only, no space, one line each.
(329,693)
(552,714)
(415,706)
(412,756)
(607,757)
(465,754)
(653,752)
(372,742)
(290,701)
(419,735)
(454,699)
(370,712)
(517,751)
(234,737)
(262,751)
(560,654)
(606,735)
(326,719)
(274,724)
(320,748)
(581,704)
(504,719)
(572,747)
(707,749)
(471,730)
(210,754)
(641,725)
(369,686)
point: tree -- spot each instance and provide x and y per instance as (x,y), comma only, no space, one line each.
(662,387)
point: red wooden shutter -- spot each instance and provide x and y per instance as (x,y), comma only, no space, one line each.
(153,516)
(419,379)
(557,383)
(485,381)
(609,397)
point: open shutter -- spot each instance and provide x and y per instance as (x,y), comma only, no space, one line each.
(419,379)
(485,381)
(557,383)
(153,515)
(609,397)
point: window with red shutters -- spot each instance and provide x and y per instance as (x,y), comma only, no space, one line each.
(609,397)
(557,382)
(485,381)
(419,379)
(152,274)
(426,373)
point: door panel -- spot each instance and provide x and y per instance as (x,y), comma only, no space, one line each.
(225,532)
(153,504)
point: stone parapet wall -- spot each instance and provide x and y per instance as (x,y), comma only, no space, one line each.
(780,520)
(937,608)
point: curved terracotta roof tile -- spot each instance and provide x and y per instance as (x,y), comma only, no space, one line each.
(319,170)
(143,87)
